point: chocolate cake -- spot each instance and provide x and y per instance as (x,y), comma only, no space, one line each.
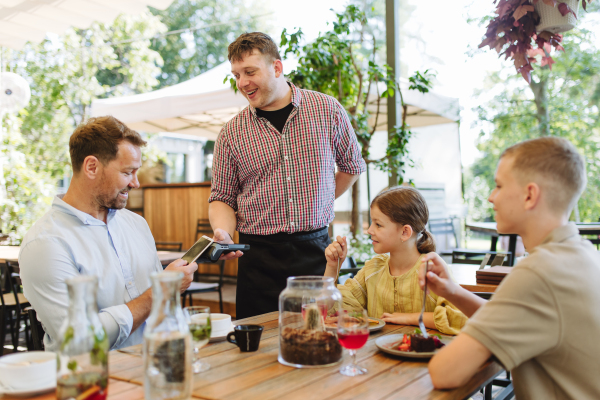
(420,344)
(309,347)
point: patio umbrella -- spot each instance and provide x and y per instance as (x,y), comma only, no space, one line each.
(202,105)
(30,20)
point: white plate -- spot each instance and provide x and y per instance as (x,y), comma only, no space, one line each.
(389,344)
(27,392)
(375,328)
(220,338)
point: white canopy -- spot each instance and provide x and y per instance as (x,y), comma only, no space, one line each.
(30,20)
(201,105)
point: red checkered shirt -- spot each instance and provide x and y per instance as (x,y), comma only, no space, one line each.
(285,182)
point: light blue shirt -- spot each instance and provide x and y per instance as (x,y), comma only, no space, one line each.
(67,242)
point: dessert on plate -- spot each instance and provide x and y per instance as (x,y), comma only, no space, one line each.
(418,343)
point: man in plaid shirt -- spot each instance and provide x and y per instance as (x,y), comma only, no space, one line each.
(274,175)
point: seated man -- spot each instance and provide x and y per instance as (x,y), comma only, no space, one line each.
(543,321)
(88,232)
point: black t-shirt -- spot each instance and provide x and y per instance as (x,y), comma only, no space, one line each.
(277,118)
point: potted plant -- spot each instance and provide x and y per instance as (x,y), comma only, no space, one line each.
(515,31)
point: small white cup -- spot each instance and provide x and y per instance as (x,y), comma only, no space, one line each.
(28,370)
(220,324)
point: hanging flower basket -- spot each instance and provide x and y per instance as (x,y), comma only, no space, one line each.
(522,31)
(557,16)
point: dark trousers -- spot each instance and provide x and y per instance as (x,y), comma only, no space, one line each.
(263,270)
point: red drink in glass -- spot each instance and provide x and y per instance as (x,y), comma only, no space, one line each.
(353,340)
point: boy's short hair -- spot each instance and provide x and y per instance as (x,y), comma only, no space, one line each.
(247,42)
(553,163)
(100,137)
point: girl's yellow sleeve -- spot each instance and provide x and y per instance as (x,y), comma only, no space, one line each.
(448,319)
(354,292)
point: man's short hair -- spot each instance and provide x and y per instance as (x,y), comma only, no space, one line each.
(553,163)
(100,137)
(247,42)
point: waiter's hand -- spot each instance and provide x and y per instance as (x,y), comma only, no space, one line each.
(221,236)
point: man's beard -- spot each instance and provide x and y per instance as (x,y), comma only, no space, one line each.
(108,202)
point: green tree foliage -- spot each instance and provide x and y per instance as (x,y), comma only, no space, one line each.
(65,73)
(195,51)
(562,101)
(344,63)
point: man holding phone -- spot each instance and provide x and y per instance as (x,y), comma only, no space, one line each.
(274,175)
(88,232)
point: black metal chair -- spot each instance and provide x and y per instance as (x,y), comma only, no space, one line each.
(476,257)
(444,226)
(168,246)
(352,270)
(594,239)
(7,309)
(37,330)
(13,275)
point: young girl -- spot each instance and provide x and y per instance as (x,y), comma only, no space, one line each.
(387,286)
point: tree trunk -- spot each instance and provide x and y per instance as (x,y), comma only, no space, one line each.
(355,215)
(540,95)
(392,178)
(392,172)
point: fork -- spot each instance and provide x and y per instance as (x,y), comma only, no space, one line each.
(421,324)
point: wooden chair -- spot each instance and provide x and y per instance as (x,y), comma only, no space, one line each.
(168,246)
(203,228)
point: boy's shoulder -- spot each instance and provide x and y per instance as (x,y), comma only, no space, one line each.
(563,248)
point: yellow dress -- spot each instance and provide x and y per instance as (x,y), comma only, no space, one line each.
(376,290)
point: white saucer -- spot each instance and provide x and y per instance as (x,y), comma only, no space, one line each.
(219,336)
(27,392)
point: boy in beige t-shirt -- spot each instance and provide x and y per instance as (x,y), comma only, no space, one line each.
(543,322)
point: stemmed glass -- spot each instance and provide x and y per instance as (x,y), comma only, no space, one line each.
(353,332)
(198,319)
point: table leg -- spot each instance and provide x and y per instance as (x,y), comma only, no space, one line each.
(487,392)
(512,248)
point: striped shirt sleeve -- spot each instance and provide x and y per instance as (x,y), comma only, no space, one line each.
(225,184)
(348,155)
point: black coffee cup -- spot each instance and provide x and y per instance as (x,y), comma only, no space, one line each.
(247,337)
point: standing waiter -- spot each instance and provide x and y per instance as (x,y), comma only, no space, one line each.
(274,175)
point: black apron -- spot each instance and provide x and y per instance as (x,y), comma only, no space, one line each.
(263,270)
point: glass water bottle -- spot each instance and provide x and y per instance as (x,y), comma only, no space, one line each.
(82,358)
(167,342)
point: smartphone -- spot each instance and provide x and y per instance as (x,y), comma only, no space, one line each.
(197,249)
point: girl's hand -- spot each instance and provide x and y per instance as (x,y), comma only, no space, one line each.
(397,318)
(336,251)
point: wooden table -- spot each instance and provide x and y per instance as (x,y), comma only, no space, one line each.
(466,276)
(117,390)
(9,253)
(490,228)
(258,375)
